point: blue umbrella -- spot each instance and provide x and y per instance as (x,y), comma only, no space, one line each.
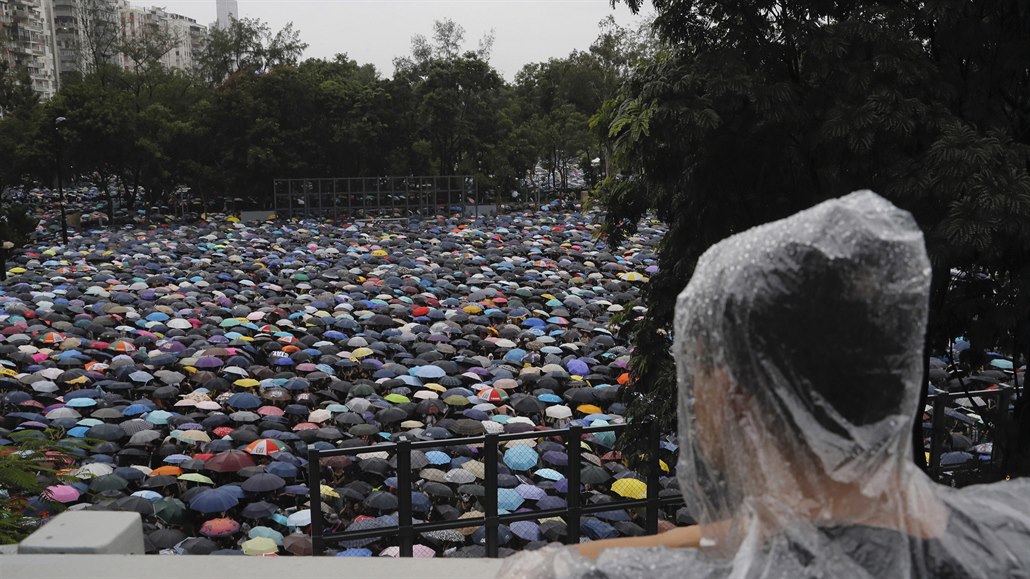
(213,501)
(438,457)
(520,458)
(516,355)
(282,469)
(428,371)
(597,529)
(354,553)
(530,492)
(509,499)
(577,367)
(526,530)
(136,409)
(549,474)
(504,535)
(244,401)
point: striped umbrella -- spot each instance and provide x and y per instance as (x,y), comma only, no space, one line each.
(264,447)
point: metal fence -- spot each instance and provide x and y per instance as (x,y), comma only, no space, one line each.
(994,403)
(407,529)
(361,197)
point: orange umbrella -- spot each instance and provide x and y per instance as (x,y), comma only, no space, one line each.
(169,470)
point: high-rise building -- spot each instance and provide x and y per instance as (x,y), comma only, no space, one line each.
(57,40)
(184,37)
(24,33)
(84,33)
(228,11)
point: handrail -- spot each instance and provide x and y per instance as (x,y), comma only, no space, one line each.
(406,528)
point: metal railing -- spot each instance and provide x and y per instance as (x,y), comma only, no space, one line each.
(940,403)
(407,529)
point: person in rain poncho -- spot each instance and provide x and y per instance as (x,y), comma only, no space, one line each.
(799,351)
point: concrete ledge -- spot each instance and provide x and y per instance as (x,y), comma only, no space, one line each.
(95,532)
(222,567)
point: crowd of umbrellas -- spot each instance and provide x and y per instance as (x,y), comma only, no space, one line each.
(189,369)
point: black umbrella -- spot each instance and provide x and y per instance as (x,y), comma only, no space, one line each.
(259,510)
(382,501)
(108,432)
(263,482)
(136,504)
(166,538)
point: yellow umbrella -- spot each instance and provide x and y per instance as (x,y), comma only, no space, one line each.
(327,491)
(630,488)
(632,276)
(435,387)
(379,253)
(362,352)
(472,309)
(259,546)
(193,436)
(247,382)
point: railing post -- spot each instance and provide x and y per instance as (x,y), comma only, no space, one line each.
(940,402)
(572,437)
(653,486)
(406,534)
(1001,424)
(490,500)
(315,494)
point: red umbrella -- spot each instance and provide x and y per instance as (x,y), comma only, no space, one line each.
(229,461)
(492,395)
(219,527)
(264,446)
(123,346)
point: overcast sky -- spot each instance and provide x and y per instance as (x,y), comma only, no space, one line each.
(376,31)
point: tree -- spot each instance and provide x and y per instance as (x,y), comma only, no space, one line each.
(756,109)
(248,45)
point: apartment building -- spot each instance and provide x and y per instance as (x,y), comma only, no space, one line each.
(59,40)
(24,41)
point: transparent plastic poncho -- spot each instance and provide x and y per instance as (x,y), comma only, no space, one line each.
(799,352)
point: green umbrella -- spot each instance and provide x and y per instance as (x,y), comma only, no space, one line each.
(362,390)
(267,533)
(197,478)
(108,482)
(169,510)
(456,400)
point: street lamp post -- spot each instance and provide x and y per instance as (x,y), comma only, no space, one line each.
(60,184)
(4,248)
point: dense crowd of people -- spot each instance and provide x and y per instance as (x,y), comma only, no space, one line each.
(189,369)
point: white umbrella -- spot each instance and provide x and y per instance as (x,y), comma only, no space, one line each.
(299,519)
(558,412)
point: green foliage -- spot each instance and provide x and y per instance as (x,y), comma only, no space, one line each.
(25,470)
(753,110)
(17,223)
(246,46)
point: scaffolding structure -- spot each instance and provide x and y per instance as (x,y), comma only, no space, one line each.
(375,197)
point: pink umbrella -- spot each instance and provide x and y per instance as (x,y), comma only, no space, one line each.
(63,493)
(219,527)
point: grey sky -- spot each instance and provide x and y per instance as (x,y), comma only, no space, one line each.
(376,31)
